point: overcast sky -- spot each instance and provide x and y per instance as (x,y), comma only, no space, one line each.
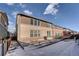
(66,15)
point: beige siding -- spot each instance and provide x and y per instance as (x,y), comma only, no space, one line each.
(25,32)
(44,24)
(57,30)
(25,20)
(24,28)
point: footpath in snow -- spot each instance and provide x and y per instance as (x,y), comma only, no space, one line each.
(63,48)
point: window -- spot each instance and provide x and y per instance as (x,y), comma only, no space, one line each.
(35,22)
(38,22)
(34,33)
(38,33)
(31,21)
(31,33)
(48,34)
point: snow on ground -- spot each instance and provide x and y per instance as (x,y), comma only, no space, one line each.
(0,49)
(63,48)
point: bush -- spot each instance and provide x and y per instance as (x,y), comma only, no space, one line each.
(58,37)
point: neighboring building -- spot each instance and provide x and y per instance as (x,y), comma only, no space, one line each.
(32,29)
(68,31)
(3,24)
(4,34)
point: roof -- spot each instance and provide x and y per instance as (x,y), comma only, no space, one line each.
(64,28)
(58,26)
(22,14)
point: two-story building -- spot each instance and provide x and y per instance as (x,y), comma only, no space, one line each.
(30,28)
